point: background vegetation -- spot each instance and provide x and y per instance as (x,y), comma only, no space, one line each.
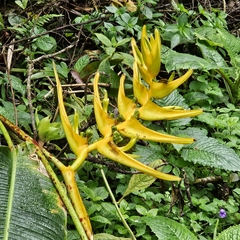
(85,36)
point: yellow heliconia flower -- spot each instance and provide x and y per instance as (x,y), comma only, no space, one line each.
(149,110)
(149,59)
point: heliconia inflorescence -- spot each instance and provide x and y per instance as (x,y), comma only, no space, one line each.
(146,67)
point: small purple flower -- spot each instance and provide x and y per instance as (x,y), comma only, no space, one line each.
(222,213)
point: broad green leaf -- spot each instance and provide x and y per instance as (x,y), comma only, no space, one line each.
(208,151)
(103,39)
(141,181)
(100,219)
(7,111)
(46,43)
(105,236)
(22,3)
(175,61)
(212,55)
(111,76)
(122,42)
(221,37)
(16,82)
(81,63)
(30,207)
(89,69)
(141,210)
(168,229)
(147,12)
(232,233)
(125,58)
(14,19)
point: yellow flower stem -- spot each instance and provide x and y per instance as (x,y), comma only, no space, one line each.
(72,188)
(116,205)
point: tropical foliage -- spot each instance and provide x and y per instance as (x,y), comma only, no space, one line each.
(97,139)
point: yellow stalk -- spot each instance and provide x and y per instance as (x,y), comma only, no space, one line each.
(72,188)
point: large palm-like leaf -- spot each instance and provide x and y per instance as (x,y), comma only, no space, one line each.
(30,207)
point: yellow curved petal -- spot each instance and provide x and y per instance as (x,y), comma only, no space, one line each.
(139,90)
(161,89)
(156,53)
(151,51)
(126,106)
(143,35)
(136,53)
(110,150)
(75,141)
(104,122)
(152,112)
(133,128)
(129,145)
(146,75)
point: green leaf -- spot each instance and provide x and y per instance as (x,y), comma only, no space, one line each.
(111,77)
(124,57)
(22,4)
(100,219)
(48,131)
(7,111)
(112,9)
(141,210)
(141,181)
(30,207)
(212,55)
(46,43)
(105,236)
(167,229)
(175,61)
(17,83)
(81,63)
(147,12)
(123,41)
(232,233)
(103,39)
(208,151)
